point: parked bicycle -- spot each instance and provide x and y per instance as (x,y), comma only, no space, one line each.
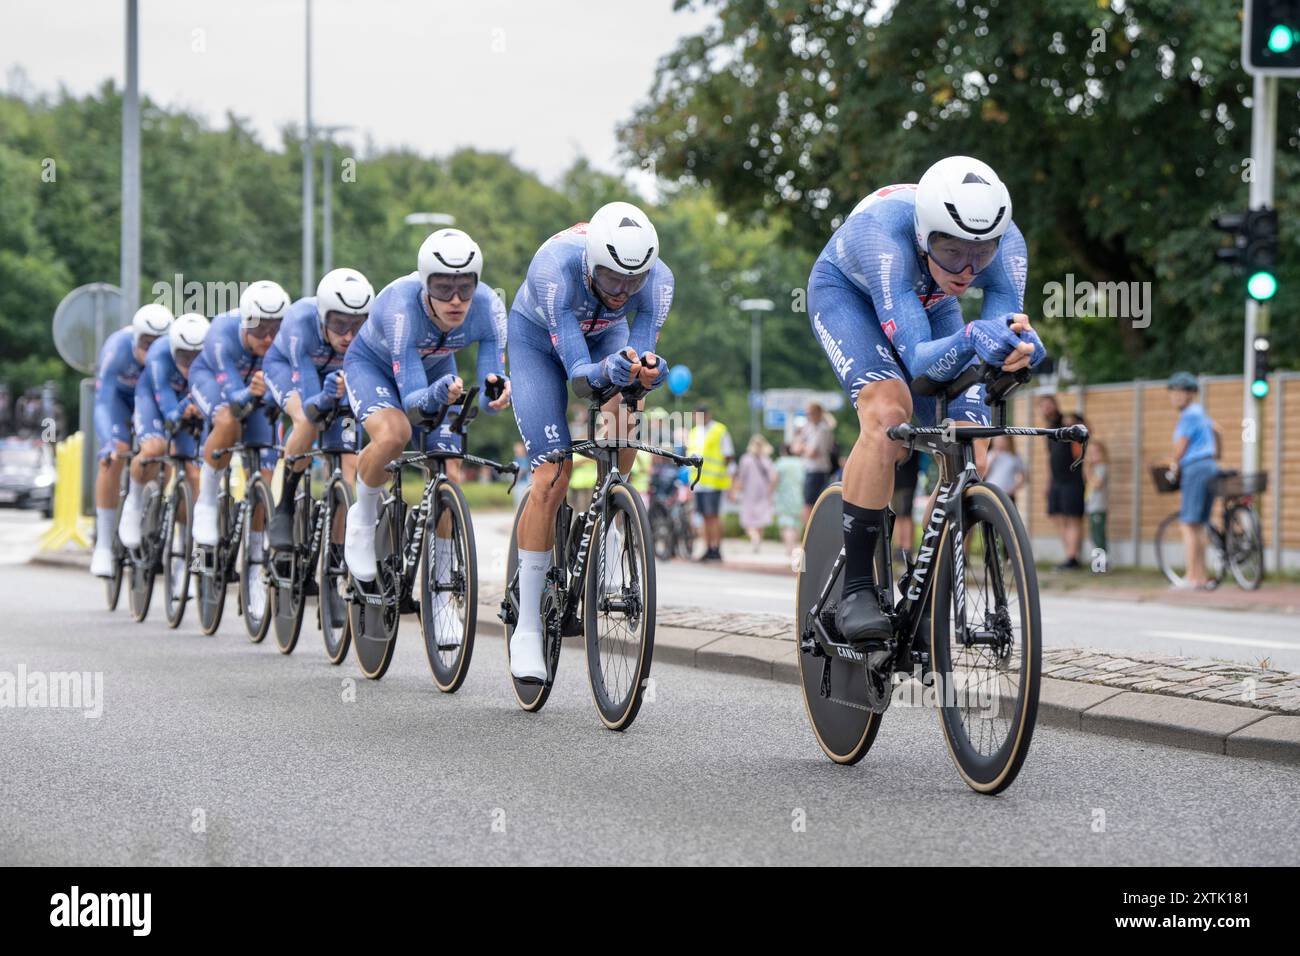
(613,608)
(242,547)
(1235,544)
(967,617)
(671,523)
(315,566)
(165,535)
(405,541)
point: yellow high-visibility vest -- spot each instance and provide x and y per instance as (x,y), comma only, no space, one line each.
(707,443)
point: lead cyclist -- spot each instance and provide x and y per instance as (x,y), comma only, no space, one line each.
(882,297)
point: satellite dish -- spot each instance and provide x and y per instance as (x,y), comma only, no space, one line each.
(86,316)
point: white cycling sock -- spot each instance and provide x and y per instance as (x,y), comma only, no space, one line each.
(613,553)
(209,484)
(133,492)
(105,521)
(255,547)
(442,562)
(367,502)
(533,566)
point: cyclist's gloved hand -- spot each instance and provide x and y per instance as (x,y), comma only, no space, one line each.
(1040,351)
(176,414)
(244,397)
(618,368)
(992,339)
(439,393)
(331,386)
(662,369)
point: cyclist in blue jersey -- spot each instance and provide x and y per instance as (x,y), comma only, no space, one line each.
(403,366)
(882,299)
(591,306)
(227,384)
(121,360)
(162,399)
(304,374)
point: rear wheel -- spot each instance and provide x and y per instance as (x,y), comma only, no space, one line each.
(374,624)
(987,692)
(113,583)
(662,531)
(178,544)
(620,608)
(333,574)
(1244,546)
(449,589)
(289,598)
(835,693)
(1171,555)
(254,550)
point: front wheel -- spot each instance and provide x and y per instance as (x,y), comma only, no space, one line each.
(449,588)
(289,598)
(255,549)
(333,571)
(620,608)
(1244,546)
(375,622)
(1171,554)
(986,687)
(145,569)
(178,543)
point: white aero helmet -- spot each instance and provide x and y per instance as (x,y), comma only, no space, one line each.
(152,319)
(187,333)
(448,252)
(346,291)
(961,198)
(621,243)
(262,299)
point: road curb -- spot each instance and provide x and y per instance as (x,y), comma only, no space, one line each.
(1207,727)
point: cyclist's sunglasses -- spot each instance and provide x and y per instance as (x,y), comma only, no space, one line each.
(341,323)
(614,285)
(957,255)
(263,328)
(446,288)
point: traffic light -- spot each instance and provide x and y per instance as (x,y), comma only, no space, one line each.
(1253,249)
(1270,37)
(1259,368)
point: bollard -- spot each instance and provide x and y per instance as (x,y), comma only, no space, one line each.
(67,525)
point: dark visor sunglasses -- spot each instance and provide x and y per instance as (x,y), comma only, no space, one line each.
(612,284)
(446,288)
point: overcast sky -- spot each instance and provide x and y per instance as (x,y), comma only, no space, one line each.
(547,80)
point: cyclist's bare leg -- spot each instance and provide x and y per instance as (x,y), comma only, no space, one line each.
(537,523)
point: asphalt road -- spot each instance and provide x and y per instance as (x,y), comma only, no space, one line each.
(216,751)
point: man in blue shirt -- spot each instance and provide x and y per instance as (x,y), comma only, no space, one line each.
(121,360)
(1196,446)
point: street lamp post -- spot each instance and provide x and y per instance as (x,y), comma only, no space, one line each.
(308,191)
(326,134)
(755,308)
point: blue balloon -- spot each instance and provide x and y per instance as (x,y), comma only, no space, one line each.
(679,379)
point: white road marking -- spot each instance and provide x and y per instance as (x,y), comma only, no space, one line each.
(1225,639)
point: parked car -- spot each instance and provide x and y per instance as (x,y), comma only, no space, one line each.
(27,474)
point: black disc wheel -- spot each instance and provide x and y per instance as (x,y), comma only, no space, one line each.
(145,564)
(178,544)
(291,573)
(375,612)
(835,693)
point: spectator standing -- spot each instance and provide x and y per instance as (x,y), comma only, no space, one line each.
(789,497)
(813,442)
(1196,446)
(755,488)
(712,442)
(1005,468)
(1064,487)
(1096,490)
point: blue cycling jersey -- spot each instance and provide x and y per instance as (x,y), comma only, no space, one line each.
(118,369)
(225,359)
(875,249)
(402,339)
(164,379)
(557,296)
(302,345)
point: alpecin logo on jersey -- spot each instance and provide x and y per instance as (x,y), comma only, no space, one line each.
(889,327)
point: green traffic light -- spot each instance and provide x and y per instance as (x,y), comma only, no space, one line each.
(1262,286)
(1280,38)
(1259,387)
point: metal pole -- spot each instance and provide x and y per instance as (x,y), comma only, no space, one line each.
(1135,513)
(308,190)
(1278,438)
(130,251)
(756,370)
(1263,145)
(327,204)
